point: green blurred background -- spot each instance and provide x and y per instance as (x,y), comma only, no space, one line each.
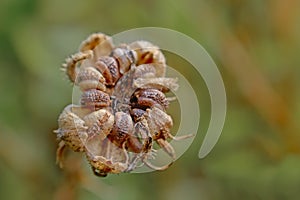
(256,46)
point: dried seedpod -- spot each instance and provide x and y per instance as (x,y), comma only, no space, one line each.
(122,108)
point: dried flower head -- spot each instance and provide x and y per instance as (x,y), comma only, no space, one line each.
(123,107)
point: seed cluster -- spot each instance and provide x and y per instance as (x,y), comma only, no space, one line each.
(122,109)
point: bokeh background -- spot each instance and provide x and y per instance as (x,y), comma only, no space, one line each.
(256,46)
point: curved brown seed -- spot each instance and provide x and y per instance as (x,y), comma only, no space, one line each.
(95,99)
(148,98)
(123,127)
(125,58)
(90,78)
(108,66)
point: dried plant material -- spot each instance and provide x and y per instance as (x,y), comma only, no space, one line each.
(123,106)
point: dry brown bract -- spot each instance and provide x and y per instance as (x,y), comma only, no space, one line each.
(123,105)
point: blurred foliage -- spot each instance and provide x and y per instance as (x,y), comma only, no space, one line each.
(254,43)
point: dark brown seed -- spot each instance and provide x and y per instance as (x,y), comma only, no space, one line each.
(108,66)
(123,127)
(90,78)
(125,58)
(137,114)
(149,98)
